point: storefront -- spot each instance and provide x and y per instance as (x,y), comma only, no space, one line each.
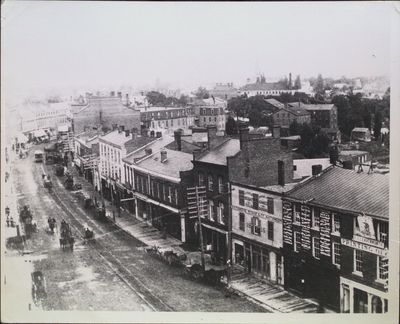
(358,298)
(263,261)
(216,242)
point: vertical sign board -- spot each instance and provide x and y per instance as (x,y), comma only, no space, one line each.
(325,233)
(287,223)
(305,227)
(197,202)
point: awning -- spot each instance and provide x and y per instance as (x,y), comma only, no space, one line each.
(63,128)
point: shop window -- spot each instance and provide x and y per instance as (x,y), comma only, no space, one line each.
(241,197)
(255,201)
(270,205)
(242,221)
(256,226)
(383,268)
(316,247)
(270,230)
(297,241)
(336,254)
(315,217)
(210,182)
(358,262)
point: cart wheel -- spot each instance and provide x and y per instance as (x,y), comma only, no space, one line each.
(197,272)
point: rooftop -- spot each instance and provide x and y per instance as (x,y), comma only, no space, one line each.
(352,152)
(176,162)
(318,106)
(219,154)
(261,87)
(120,139)
(156,144)
(347,190)
(275,103)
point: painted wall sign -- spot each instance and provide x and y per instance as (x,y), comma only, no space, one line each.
(364,247)
(325,233)
(262,200)
(368,241)
(365,227)
(255,213)
(305,227)
(287,223)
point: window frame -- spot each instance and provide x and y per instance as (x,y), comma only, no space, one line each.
(313,218)
(295,213)
(270,230)
(355,264)
(241,197)
(379,268)
(242,222)
(335,216)
(316,247)
(256,230)
(220,184)
(270,205)
(256,201)
(335,256)
(210,184)
(296,235)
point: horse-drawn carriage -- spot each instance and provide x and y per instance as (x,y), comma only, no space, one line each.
(26,219)
(59,170)
(47,183)
(212,273)
(67,241)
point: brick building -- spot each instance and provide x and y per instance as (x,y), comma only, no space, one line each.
(210,112)
(285,116)
(260,174)
(335,239)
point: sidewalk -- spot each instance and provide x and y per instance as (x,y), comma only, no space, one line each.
(272,297)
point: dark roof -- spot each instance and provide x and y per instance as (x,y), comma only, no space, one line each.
(297,111)
(275,103)
(347,190)
(186,146)
(219,154)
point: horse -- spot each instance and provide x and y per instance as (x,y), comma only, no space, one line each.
(67,242)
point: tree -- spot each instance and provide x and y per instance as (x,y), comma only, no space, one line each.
(202,93)
(155,98)
(231,126)
(319,85)
(295,128)
(377,125)
(183,100)
(297,83)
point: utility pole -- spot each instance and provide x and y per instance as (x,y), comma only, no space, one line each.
(229,261)
(203,263)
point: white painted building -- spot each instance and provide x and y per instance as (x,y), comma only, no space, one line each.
(257,230)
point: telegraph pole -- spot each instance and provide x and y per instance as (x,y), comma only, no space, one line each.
(229,233)
(203,263)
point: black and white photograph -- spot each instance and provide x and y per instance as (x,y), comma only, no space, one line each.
(199,162)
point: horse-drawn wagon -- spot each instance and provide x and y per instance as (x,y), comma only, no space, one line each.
(67,241)
(211,273)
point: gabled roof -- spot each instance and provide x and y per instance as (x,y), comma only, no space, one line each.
(275,103)
(176,162)
(219,154)
(318,106)
(347,190)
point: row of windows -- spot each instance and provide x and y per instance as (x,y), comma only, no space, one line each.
(255,202)
(255,226)
(171,114)
(109,169)
(169,123)
(156,189)
(268,92)
(315,218)
(110,153)
(210,182)
(209,111)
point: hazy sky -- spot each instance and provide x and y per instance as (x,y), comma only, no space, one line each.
(61,44)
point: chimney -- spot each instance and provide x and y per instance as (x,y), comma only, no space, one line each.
(120,94)
(112,93)
(281,173)
(127,98)
(122,127)
(114,127)
(178,139)
(243,135)
(134,135)
(163,156)
(148,151)
(127,133)
(158,134)
(290,81)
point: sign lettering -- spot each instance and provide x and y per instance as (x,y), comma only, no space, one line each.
(305,227)
(287,223)
(368,241)
(255,213)
(325,230)
(364,247)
